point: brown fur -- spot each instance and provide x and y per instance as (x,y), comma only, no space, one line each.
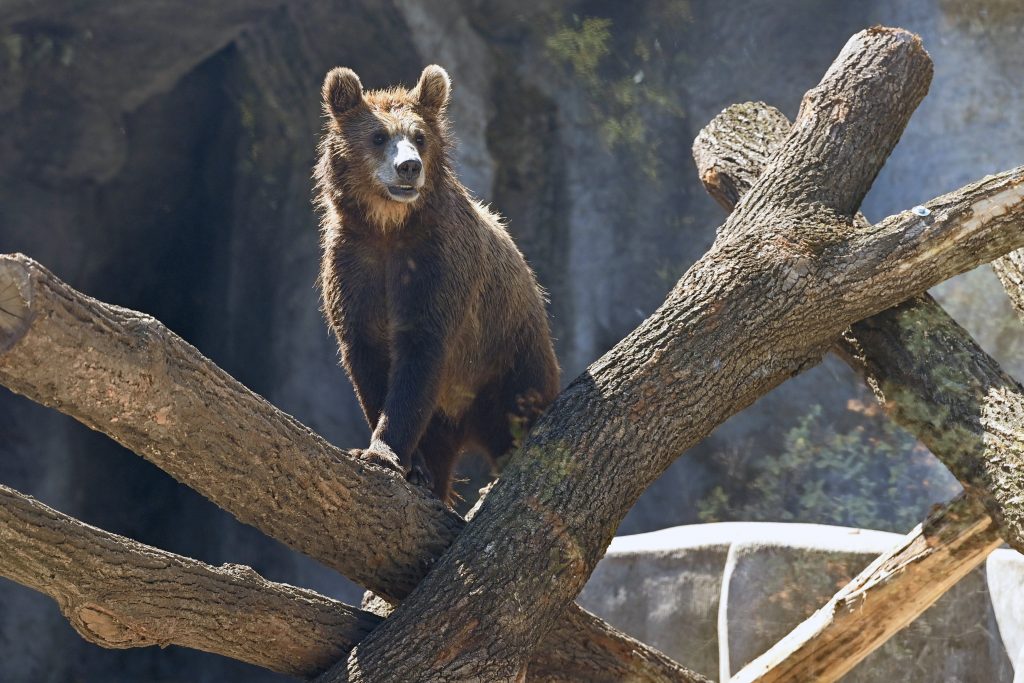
(440,321)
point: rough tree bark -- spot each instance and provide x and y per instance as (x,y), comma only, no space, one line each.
(789,275)
(119,593)
(124,374)
(1010,270)
(934,380)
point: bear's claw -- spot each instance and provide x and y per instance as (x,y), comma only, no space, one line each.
(383,457)
(418,474)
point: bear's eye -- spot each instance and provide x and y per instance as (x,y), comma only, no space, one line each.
(420,139)
(379,138)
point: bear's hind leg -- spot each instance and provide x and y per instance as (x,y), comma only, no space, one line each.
(439,449)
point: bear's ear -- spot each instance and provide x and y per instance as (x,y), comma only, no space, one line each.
(433,89)
(342,91)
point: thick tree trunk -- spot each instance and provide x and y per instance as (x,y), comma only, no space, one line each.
(935,381)
(788,276)
(119,594)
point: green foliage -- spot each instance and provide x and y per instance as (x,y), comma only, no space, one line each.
(582,47)
(872,475)
(625,71)
(977,14)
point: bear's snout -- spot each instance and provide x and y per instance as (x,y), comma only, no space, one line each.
(409,170)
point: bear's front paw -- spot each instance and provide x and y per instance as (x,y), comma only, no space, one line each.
(419,475)
(379,454)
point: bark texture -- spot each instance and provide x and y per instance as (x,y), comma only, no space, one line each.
(927,372)
(1010,270)
(786,277)
(125,374)
(119,593)
(733,150)
(933,379)
(889,594)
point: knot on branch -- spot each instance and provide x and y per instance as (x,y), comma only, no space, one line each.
(15,300)
(101,626)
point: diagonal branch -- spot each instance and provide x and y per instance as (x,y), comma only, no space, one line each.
(934,380)
(785,279)
(124,374)
(119,594)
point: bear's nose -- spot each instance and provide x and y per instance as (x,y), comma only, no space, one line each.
(409,169)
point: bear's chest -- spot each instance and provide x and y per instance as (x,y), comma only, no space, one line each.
(389,286)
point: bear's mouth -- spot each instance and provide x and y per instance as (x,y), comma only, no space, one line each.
(403,193)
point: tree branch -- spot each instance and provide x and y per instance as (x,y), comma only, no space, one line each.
(124,374)
(120,594)
(931,378)
(733,150)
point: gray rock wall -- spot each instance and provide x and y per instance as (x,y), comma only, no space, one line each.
(157,155)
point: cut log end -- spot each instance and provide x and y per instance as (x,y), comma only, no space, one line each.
(723,152)
(15,300)
(900,35)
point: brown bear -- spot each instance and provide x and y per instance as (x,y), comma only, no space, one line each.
(441,323)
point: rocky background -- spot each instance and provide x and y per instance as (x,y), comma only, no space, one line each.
(157,155)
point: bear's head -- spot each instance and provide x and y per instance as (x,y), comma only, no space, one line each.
(386,150)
